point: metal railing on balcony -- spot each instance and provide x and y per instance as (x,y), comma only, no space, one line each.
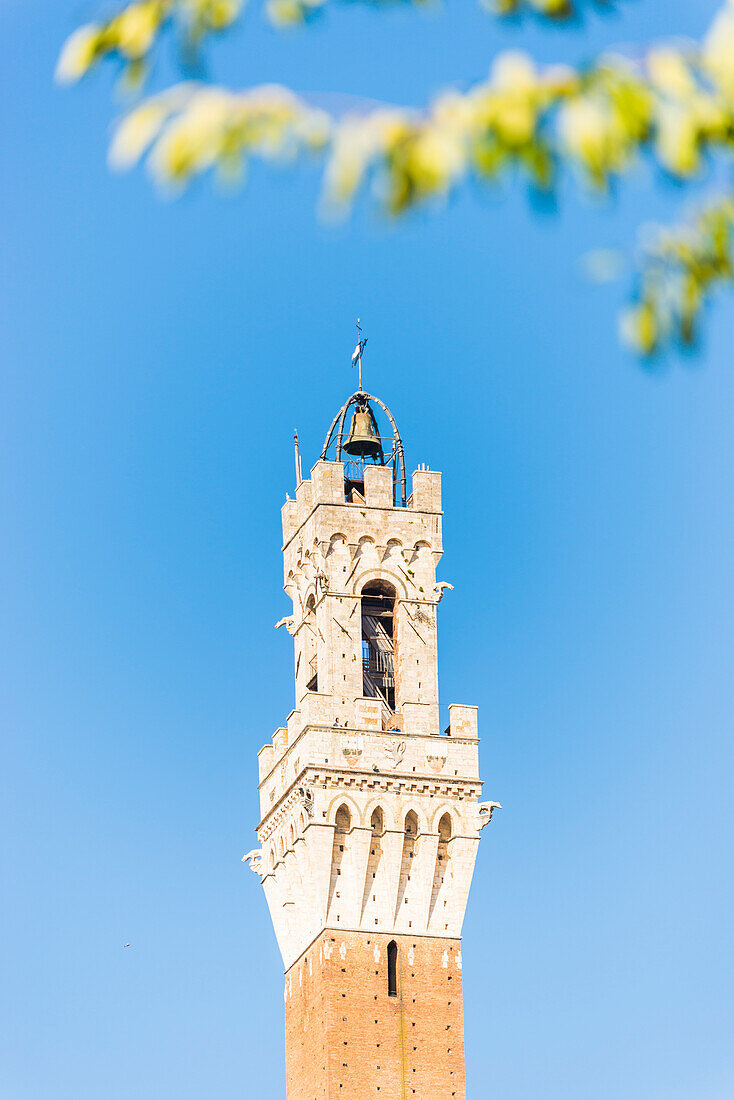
(379,663)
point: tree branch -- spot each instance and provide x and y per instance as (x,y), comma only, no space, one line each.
(675,107)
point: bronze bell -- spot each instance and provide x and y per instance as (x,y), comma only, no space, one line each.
(362,440)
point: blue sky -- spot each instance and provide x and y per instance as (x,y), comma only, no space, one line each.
(157,357)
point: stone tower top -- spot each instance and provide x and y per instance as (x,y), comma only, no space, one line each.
(360,560)
(370,816)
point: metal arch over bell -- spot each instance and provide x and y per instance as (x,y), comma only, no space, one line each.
(363,440)
(392,456)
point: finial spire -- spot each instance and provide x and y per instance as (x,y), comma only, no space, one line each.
(357,353)
(299,475)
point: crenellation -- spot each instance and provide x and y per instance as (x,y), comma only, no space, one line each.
(265,761)
(426,496)
(304,500)
(463,721)
(289,516)
(381,751)
(378,484)
(328,483)
(280,741)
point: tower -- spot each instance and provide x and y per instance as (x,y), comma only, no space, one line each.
(370,815)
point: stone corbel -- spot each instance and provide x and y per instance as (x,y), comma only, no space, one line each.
(484,813)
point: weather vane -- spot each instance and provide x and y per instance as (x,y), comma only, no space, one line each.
(357,353)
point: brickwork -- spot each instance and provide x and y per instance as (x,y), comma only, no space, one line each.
(348,1039)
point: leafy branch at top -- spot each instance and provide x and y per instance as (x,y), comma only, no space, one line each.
(675,106)
(558,10)
(681,269)
(130,36)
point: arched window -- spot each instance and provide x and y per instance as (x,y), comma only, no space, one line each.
(442,870)
(339,856)
(444,828)
(310,646)
(392,969)
(378,642)
(411,823)
(377,822)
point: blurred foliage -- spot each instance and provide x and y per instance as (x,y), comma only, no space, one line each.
(680,270)
(192,128)
(549,9)
(675,106)
(299,11)
(129,37)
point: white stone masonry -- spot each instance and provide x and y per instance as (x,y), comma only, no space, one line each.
(369,814)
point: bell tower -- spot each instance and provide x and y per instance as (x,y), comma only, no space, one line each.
(370,814)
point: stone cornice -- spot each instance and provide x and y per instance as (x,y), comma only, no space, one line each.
(339,929)
(433,739)
(401,782)
(359,507)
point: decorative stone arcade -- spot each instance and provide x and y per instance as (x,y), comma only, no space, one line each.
(370,814)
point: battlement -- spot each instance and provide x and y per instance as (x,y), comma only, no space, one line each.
(357,750)
(337,742)
(353,848)
(404,809)
(327,486)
